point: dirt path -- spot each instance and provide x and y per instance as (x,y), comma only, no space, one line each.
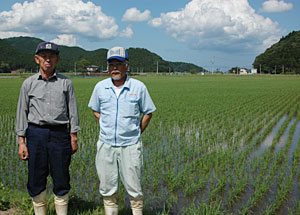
(11,211)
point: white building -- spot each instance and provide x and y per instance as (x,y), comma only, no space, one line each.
(92,68)
(253,71)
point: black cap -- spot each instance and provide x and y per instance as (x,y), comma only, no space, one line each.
(47,46)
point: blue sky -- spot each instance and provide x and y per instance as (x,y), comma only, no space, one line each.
(226,33)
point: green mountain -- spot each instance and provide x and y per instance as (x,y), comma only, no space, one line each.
(18,52)
(282,57)
(25,45)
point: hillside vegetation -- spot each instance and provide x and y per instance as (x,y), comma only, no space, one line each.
(282,57)
(17,53)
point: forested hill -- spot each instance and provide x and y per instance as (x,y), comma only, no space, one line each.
(17,53)
(282,57)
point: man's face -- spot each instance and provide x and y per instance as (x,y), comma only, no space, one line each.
(117,69)
(47,60)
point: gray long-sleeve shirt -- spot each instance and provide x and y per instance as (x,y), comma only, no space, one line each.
(47,102)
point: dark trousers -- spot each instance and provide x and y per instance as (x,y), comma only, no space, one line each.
(49,150)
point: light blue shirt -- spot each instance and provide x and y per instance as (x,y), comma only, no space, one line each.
(120,116)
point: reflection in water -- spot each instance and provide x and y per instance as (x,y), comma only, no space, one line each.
(294,144)
(269,139)
(294,194)
(283,139)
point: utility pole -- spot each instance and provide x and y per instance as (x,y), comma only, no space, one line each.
(259,68)
(75,67)
(213,65)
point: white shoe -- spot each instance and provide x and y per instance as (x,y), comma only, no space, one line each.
(61,209)
(40,210)
(137,212)
(61,204)
(111,204)
(111,211)
(137,206)
(40,204)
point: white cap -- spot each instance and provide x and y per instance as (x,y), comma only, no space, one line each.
(118,53)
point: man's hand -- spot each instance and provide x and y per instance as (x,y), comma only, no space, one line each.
(23,151)
(74,142)
(97,115)
(145,121)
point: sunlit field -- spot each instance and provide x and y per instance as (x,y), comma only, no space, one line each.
(216,145)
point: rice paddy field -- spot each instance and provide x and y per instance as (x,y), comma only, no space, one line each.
(216,145)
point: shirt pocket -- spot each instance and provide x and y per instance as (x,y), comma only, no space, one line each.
(58,103)
(130,108)
(36,99)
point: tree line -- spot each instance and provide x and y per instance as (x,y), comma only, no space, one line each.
(18,53)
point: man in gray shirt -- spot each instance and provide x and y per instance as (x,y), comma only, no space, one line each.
(47,126)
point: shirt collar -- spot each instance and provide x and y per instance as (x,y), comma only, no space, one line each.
(40,77)
(126,84)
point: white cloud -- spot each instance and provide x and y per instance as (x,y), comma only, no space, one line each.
(7,34)
(275,6)
(134,15)
(221,25)
(128,32)
(65,39)
(59,17)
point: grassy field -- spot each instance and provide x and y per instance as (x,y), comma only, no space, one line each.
(216,145)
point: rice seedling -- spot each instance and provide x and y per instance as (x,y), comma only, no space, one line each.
(215,145)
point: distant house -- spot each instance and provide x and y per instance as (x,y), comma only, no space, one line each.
(92,68)
(243,71)
(253,71)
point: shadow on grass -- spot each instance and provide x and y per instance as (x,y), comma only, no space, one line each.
(81,207)
(78,206)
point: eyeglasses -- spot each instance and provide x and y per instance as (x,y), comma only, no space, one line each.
(112,65)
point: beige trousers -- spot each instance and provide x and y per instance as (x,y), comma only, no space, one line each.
(115,163)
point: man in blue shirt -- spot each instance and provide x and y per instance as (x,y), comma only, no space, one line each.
(118,103)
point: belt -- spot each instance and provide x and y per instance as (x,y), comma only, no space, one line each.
(58,126)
